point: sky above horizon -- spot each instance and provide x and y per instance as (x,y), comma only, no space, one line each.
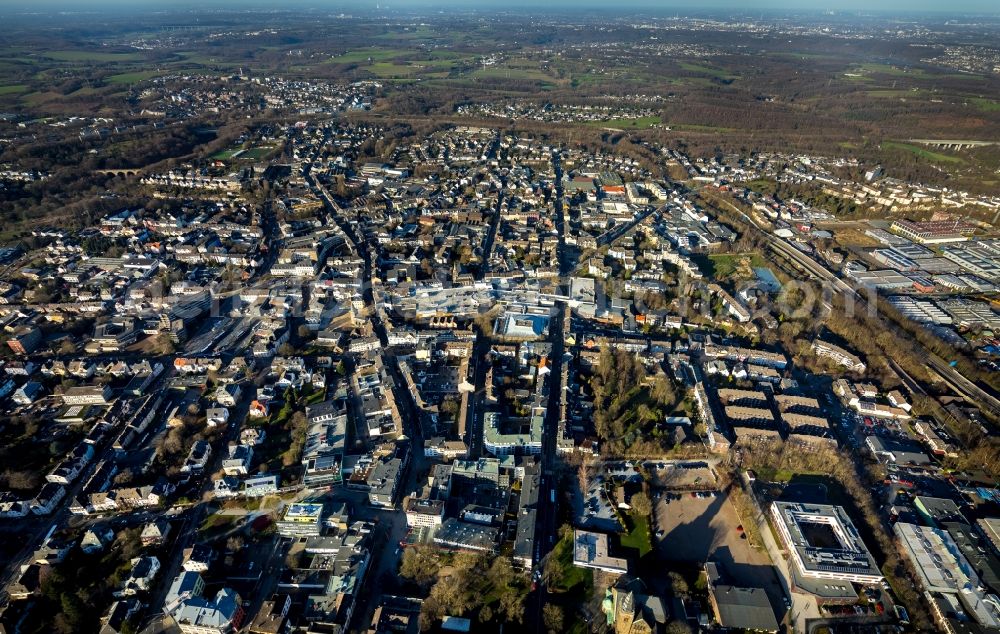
(939,6)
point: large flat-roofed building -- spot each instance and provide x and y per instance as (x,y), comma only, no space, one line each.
(527,514)
(461,535)
(745,355)
(823,542)
(942,570)
(590,550)
(750,415)
(838,355)
(981,258)
(805,423)
(423,512)
(522,326)
(748,398)
(301,520)
(748,434)
(326,437)
(901,452)
(990,529)
(742,608)
(933,232)
(975,549)
(500,442)
(798,404)
(739,608)
(87,395)
(934,511)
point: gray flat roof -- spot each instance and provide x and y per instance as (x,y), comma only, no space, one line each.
(745,608)
(824,541)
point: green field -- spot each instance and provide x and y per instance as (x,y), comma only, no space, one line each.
(224,155)
(986,105)
(922,152)
(506,72)
(35,98)
(718,73)
(637,537)
(85,90)
(217,522)
(804,55)
(724,265)
(131,78)
(574,579)
(363,54)
(396,63)
(421,32)
(626,124)
(257,153)
(892,94)
(204,60)
(694,127)
(13,89)
(91,56)
(389,70)
(895,71)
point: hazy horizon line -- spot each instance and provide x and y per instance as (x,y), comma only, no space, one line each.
(853,8)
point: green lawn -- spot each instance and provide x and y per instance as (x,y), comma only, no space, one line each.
(895,71)
(13,89)
(224,155)
(131,78)
(708,70)
(38,97)
(216,522)
(257,153)
(191,57)
(803,55)
(634,124)
(316,397)
(727,264)
(937,157)
(892,94)
(986,105)
(508,72)
(91,56)
(390,70)
(575,580)
(638,537)
(695,127)
(362,55)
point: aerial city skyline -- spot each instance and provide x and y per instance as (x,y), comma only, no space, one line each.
(450,316)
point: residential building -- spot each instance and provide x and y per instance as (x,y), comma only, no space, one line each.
(590,550)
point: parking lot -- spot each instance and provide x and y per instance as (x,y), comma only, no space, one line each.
(692,474)
(699,529)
